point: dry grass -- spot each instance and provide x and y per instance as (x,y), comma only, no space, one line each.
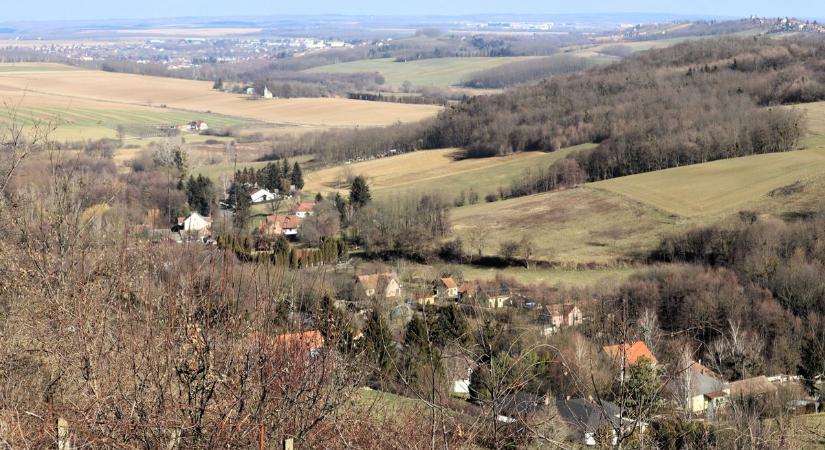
(579,225)
(198,96)
(433,171)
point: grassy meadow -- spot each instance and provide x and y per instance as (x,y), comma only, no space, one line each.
(425,72)
(719,187)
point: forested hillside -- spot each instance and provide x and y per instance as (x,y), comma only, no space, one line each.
(691,103)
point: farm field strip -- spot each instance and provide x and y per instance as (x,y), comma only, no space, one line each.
(108,90)
(426,72)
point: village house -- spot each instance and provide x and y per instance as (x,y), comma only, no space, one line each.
(759,386)
(447,289)
(555,317)
(459,368)
(304,209)
(381,285)
(425,299)
(277,225)
(630,353)
(696,387)
(586,418)
(494,301)
(267,93)
(194,225)
(467,291)
(198,125)
(262,195)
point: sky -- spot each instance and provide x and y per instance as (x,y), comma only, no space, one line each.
(26,10)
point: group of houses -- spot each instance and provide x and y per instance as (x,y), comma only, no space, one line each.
(287,225)
(698,389)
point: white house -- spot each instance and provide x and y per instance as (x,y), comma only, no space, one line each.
(262,195)
(198,125)
(195,223)
(267,93)
(250,91)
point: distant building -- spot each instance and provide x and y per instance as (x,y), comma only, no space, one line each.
(304,209)
(276,225)
(447,289)
(267,93)
(194,223)
(262,195)
(250,91)
(425,299)
(632,353)
(560,316)
(381,285)
(198,125)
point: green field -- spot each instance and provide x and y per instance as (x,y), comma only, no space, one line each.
(88,123)
(720,187)
(606,221)
(425,72)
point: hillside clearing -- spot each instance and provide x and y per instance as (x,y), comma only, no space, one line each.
(425,72)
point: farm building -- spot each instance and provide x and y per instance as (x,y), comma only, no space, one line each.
(425,299)
(262,195)
(276,225)
(304,209)
(267,93)
(447,289)
(194,223)
(567,315)
(198,125)
(382,285)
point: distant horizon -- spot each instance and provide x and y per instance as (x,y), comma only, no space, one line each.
(95,10)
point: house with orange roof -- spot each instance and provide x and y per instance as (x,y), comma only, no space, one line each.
(447,289)
(304,209)
(632,353)
(277,225)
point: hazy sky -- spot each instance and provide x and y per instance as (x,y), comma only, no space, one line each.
(101,9)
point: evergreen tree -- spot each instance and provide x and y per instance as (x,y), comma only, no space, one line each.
(380,349)
(200,193)
(242,204)
(297,177)
(643,398)
(359,194)
(416,336)
(285,168)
